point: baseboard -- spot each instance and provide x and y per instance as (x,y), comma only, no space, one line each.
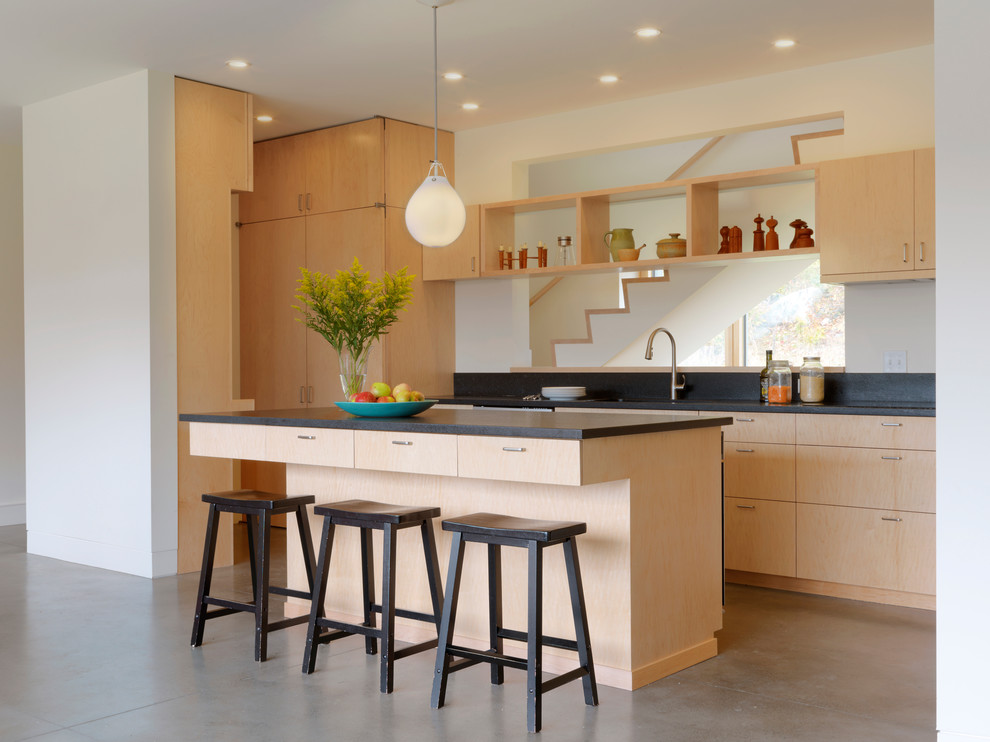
(832,589)
(13,514)
(104,556)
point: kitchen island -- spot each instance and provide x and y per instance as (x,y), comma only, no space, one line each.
(647,485)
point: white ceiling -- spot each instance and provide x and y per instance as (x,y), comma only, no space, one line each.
(320,63)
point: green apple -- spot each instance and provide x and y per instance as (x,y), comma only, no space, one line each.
(402,395)
(416,397)
(381,389)
(399,388)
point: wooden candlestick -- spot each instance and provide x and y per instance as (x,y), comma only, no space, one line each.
(758,234)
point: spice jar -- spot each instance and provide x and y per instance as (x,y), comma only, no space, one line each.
(780,382)
(811,381)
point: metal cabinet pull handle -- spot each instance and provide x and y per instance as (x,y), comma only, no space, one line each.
(299,201)
(921,252)
(302,392)
(891,458)
(746,507)
(472,265)
(309,202)
(512,448)
(744,420)
(309,395)
(890,425)
(893,520)
(307,437)
(745,450)
(905,251)
(401,443)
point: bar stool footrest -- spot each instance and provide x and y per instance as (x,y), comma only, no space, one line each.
(414,649)
(291,593)
(548,641)
(559,680)
(287,622)
(231,606)
(485,655)
(414,615)
(349,628)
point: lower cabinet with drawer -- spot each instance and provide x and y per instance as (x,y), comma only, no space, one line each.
(759,536)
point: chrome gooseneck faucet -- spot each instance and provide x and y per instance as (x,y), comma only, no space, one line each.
(674,385)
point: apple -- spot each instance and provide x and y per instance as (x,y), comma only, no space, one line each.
(403,387)
(381,389)
(363,397)
(386,398)
(416,397)
(402,395)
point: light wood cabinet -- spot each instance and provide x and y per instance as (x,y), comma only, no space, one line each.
(410,453)
(540,460)
(876,217)
(759,536)
(759,470)
(320,171)
(892,550)
(759,427)
(866,431)
(461,258)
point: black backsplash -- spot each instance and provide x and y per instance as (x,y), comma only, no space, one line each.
(840,388)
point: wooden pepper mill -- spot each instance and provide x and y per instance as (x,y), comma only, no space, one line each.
(724,247)
(758,234)
(772,238)
(802,234)
(735,239)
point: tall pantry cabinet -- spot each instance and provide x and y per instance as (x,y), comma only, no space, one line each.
(320,200)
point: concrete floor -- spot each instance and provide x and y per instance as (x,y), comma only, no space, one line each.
(89,654)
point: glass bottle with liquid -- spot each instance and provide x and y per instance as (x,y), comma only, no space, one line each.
(765,379)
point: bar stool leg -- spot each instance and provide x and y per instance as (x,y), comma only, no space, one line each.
(388,607)
(205,575)
(447,621)
(319,595)
(309,560)
(368,588)
(580,621)
(252,528)
(261,589)
(495,609)
(432,570)
(534,644)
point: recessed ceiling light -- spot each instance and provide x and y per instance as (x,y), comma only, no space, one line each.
(608,78)
(453,76)
(470,106)
(647,33)
(238,64)
(264,118)
(784,43)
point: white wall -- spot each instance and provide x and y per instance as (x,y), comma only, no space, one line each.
(890,316)
(886,101)
(962,192)
(11,338)
(99,296)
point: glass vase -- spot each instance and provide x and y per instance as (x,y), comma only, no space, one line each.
(353,369)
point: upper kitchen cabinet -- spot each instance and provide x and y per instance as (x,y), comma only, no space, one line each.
(408,154)
(318,172)
(876,217)
(461,258)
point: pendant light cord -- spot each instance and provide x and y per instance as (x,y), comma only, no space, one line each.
(436,89)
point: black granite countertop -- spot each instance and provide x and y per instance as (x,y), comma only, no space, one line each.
(509,423)
(706,391)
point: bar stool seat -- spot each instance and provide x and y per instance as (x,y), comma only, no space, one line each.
(368,515)
(259,507)
(534,535)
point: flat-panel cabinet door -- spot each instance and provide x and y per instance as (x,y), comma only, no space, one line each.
(273,343)
(761,470)
(279,182)
(865,212)
(759,536)
(344,167)
(332,242)
(408,153)
(924,209)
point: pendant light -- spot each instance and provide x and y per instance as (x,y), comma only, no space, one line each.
(435,213)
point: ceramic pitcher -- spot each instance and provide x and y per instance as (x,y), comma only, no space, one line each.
(622,239)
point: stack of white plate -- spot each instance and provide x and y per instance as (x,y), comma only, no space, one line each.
(563,392)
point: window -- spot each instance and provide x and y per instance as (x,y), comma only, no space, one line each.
(804,317)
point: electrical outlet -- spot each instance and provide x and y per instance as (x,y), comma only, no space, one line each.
(895,361)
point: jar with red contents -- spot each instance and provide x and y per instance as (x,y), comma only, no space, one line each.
(780,382)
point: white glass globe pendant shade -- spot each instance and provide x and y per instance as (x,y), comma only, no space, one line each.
(435,214)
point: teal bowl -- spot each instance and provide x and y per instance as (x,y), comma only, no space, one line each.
(386,409)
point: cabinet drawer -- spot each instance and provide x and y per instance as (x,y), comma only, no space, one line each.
(411,453)
(315,446)
(881,478)
(760,470)
(759,427)
(885,549)
(759,536)
(867,431)
(537,460)
(227,441)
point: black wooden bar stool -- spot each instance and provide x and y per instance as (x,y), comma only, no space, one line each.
(259,507)
(534,535)
(389,519)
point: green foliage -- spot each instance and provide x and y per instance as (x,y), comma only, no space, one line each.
(350,310)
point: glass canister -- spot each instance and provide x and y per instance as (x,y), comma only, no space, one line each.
(811,380)
(780,382)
